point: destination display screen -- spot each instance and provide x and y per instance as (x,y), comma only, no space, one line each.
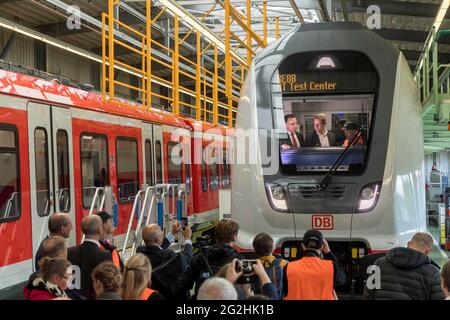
(324,104)
(337,71)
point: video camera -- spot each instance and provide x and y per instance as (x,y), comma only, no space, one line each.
(202,241)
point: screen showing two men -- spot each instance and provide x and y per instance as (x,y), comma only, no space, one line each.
(324,104)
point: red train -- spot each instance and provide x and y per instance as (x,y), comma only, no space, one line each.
(58,143)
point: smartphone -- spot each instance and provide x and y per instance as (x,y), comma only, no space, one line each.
(184,222)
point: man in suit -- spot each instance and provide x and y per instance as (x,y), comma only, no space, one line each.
(171,264)
(321,137)
(295,139)
(156,246)
(108,233)
(89,254)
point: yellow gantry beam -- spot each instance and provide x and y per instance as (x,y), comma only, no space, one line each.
(237,16)
(214,91)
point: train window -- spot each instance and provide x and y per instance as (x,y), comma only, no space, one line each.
(213,169)
(225,171)
(174,162)
(187,169)
(42,172)
(203,169)
(325,111)
(94,165)
(158,158)
(9,179)
(127,168)
(148,162)
(62,151)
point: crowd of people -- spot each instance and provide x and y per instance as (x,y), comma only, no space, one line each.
(216,272)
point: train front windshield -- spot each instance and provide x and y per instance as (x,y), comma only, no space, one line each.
(324,104)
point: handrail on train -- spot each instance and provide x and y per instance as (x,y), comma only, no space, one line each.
(95,203)
(146,207)
(153,214)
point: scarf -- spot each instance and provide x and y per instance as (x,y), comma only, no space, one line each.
(40,284)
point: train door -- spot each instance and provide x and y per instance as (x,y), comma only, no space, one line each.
(41,175)
(148,151)
(158,154)
(63,165)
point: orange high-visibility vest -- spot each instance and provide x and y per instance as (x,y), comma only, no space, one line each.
(310,278)
(359,142)
(114,255)
(115,258)
(147,293)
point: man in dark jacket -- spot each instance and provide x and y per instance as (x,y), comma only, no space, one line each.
(408,273)
(89,254)
(108,233)
(59,224)
(219,255)
(321,137)
(156,246)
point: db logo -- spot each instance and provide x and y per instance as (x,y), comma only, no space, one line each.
(323,222)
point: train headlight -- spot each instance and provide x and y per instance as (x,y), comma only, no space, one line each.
(277,197)
(369,197)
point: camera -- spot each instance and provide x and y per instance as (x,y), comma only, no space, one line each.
(184,223)
(202,241)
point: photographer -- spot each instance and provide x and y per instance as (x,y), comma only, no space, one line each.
(235,272)
(208,261)
(313,276)
(156,247)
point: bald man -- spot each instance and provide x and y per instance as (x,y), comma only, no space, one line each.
(156,246)
(89,254)
(408,273)
(59,224)
(170,264)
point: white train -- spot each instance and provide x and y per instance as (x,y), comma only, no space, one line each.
(375,197)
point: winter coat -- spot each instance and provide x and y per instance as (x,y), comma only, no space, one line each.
(406,274)
(198,271)
(38,289)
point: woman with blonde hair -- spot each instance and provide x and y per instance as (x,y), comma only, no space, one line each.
(136,280)
(107,281)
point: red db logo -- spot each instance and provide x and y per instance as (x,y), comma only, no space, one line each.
(323,222)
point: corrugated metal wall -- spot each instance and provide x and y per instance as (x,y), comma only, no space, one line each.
(68,65)
(22,51)
(119,90)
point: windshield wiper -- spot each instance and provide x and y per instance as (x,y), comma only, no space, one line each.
(323,184)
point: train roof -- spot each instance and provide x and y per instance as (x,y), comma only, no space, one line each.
(37,89)
(329,36)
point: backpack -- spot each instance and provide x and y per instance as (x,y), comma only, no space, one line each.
(275,273)
(164,277)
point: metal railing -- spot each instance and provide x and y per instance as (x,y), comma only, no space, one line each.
(432,77)
(144,207)
(98,202)
(214,94)
(64,198)
(152,206)
(11,204)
